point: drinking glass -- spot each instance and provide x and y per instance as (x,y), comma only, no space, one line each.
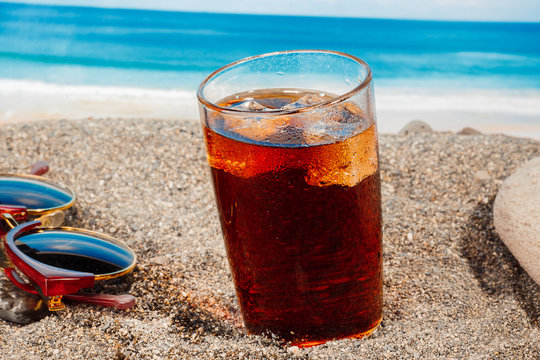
(291,142)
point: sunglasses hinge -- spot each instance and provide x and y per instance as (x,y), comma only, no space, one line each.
(12,217)
(54,303)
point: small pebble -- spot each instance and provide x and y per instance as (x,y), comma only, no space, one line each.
(294,350)
(469,131)
(481,175)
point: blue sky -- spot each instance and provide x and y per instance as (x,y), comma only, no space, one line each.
(482,10)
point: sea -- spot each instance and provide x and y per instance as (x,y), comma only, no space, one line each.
(165,50)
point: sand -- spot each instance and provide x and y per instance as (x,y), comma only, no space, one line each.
(451,288)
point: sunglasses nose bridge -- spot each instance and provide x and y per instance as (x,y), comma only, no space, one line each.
(55,218)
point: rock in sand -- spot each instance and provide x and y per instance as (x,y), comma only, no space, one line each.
(415,127)
(516,216)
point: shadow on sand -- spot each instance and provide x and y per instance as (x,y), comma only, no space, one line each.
(495,268)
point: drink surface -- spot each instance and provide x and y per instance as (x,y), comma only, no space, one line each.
(302,223)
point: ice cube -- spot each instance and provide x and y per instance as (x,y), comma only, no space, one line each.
(249,105)
(350,114)
(287,135)
(306,100)
(259,129)
(344,163)
(320,131)
(335,124)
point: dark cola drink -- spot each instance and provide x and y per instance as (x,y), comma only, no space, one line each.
(299,203)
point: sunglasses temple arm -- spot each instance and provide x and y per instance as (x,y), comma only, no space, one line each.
(125,301)
(17,281)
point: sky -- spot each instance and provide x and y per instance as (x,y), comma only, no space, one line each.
(468,10)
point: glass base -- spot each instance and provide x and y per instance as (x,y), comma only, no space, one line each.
(310,343)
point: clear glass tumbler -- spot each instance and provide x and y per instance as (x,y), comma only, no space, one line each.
(292,145)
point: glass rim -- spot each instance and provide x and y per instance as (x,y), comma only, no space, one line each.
(335,100)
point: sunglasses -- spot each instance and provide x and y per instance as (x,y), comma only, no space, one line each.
(57,260)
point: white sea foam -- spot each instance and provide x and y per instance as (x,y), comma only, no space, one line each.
(509,111)
(8,86)
(518,102)
(22,100)
(513,112)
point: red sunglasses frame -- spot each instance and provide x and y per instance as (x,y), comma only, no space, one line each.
(49,281)
(57,283)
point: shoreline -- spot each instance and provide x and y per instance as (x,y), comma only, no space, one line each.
(485,110)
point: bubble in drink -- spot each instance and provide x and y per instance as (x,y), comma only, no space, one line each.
(299,203)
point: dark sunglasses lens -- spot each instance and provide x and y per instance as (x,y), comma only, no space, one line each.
(77,251)
(32,193)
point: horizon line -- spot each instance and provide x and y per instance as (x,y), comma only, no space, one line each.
(19,3)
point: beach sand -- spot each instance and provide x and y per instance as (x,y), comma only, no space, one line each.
(451,288)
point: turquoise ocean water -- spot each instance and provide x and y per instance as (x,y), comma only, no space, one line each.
(175,50)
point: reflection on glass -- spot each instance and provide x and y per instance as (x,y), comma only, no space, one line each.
(32,193)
